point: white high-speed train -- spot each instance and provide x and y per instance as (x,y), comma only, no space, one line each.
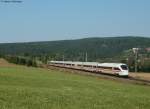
(108,68)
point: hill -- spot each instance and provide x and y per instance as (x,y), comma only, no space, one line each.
(96,48)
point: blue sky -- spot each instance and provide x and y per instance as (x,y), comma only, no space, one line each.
(45,20)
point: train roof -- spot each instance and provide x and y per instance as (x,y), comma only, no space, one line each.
(90,63)
(110,64)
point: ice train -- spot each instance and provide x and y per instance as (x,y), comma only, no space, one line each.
(108,68)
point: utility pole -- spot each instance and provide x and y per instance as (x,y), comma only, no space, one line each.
(63,58)
(86,57)
(135,50)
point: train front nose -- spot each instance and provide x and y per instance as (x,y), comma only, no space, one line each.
(124,70)
(124,73)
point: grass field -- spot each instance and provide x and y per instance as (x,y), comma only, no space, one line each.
(35,88)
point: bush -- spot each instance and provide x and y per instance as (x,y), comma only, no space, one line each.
(21,60)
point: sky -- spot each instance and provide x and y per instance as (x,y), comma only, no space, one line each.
(46,20)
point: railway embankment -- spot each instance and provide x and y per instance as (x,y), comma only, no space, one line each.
(140,75)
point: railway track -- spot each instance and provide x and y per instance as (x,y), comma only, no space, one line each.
(102,75)
(146,82)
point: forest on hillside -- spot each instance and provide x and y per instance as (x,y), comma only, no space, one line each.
(106,49)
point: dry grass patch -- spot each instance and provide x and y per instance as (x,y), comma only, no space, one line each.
(4,63)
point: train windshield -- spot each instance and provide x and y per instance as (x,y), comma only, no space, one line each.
(124,67)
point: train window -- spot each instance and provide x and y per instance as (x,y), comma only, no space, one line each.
(87,66)
(104,67)
(116,68)
(79,65)
(124,67)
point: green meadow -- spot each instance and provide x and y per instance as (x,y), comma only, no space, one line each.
(36,88)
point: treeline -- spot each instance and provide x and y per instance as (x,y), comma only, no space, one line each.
(106,49)
(21,60)
(75,50)
(142,65)
(142,60)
